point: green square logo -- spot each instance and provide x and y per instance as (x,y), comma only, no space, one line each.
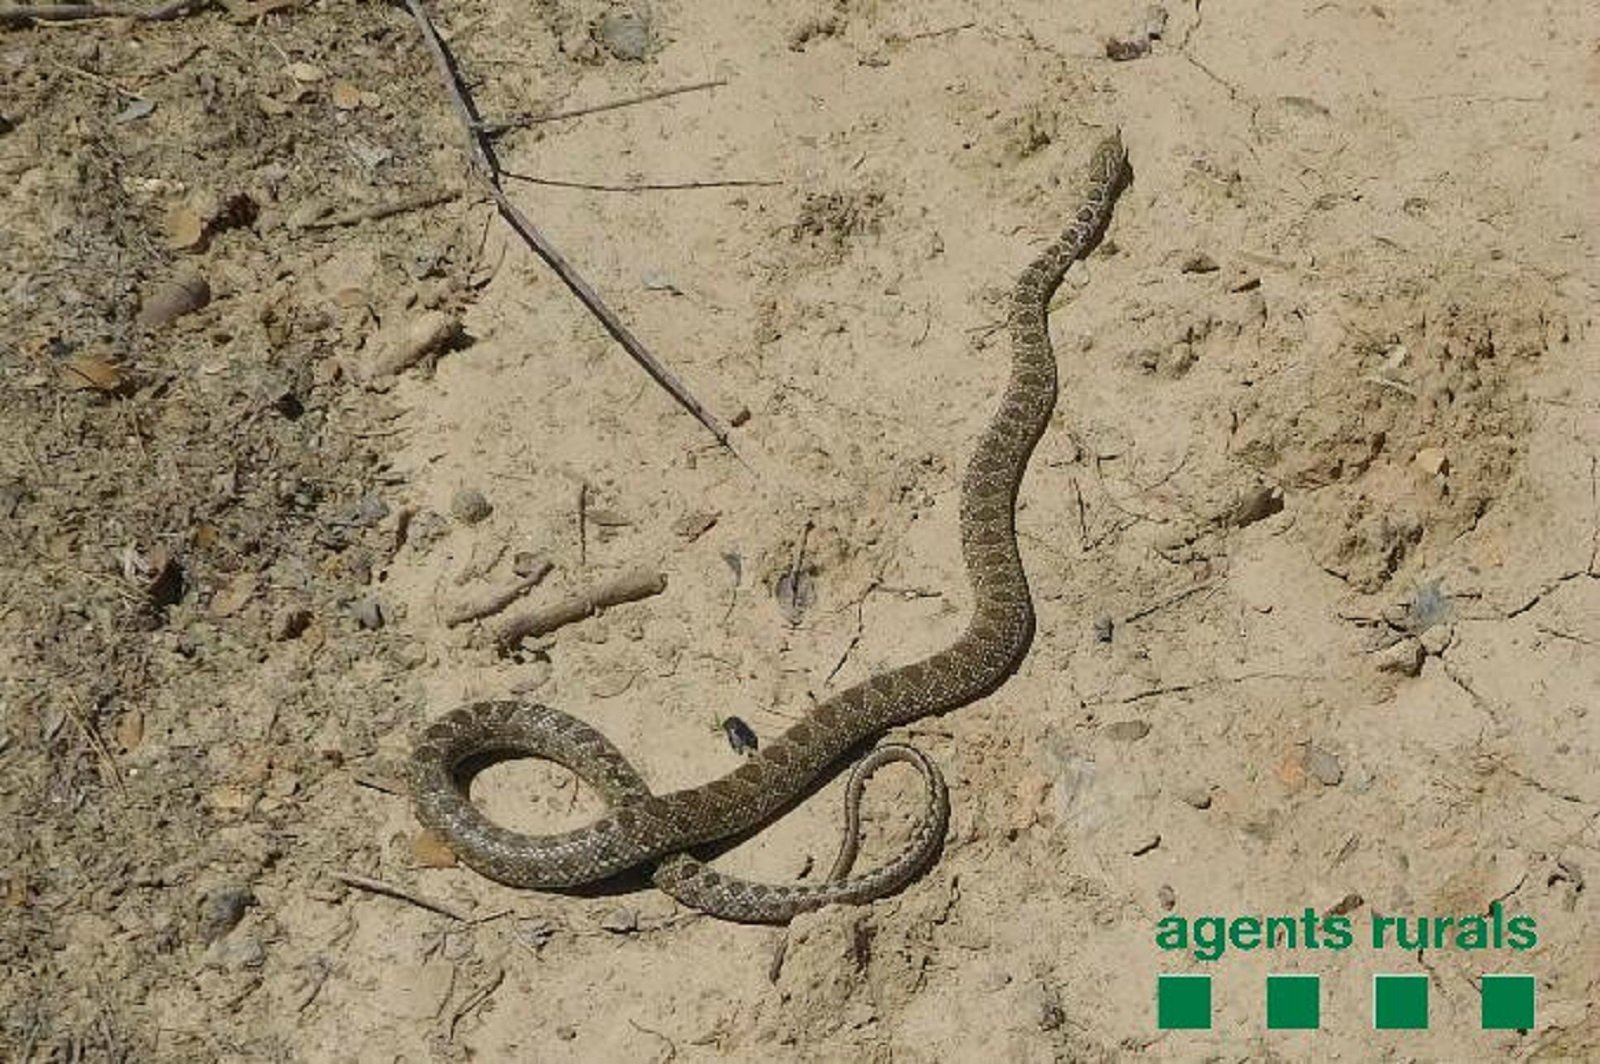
(1183,1002)
(1294,1002)
(1400,1002)
(1507,1002)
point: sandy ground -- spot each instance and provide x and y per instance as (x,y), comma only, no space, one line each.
(1314,538)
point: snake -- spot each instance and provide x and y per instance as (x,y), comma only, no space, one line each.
(643,829)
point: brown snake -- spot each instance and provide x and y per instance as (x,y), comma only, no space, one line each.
(641,826)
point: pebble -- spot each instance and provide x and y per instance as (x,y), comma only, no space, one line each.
(469,506)
(1433,461)
(1437,640)
(368,613)
(1200,262)
(620,921)
(1257,504)
(626,34)
(1198,797)
(1402,659)
(1167,897)
(526,562)
(1104,628)
(222,909)
(405,345)
(1324,767)
(235,954)
(369,511)
(1126,731)
(185,293)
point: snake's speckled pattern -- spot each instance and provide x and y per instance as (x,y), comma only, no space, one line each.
(642,827)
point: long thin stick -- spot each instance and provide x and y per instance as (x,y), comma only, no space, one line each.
(665,186)
(78,12)
(484,163)
(378,886)
(518,121)
(631,587)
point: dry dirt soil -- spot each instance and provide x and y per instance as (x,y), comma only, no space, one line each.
(1313,537)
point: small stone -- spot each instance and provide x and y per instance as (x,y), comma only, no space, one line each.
(526,562)
(369,511)
(1144,844)
(1200,262)
(566,1032)
(1167,897)
(692,526)
(368,613)
(1437,640)
(346,97)
(1126,731)
(469,506)
(740,417)
(1198,797)
(235,954)
(1433,461)
(1104,628)
(222,909)
(1155,21)
(620,921)
(1257,504)
(184,293)
(626,34)
(304,73)
(1323,766)
(1402,659)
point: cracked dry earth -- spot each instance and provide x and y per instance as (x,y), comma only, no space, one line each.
(1314,538)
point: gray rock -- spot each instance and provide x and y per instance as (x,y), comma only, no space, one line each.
(626,34)
(222,909)
(368,613)
(1324,767)
(1126,731)
(1402,659)
(469,506)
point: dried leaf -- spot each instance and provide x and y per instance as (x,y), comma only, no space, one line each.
(85,372)
(232,599)
(431,851)
(129,731)
(346,97)
(304,72)
(186,230)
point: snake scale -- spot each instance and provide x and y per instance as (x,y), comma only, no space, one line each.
(641,827)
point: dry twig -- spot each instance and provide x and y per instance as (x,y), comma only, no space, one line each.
(384,210)
(484,163)
(520,121)
(499,600)
(16,16)
(378,886)
(630,587)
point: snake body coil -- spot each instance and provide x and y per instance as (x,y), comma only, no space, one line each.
(642,827)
